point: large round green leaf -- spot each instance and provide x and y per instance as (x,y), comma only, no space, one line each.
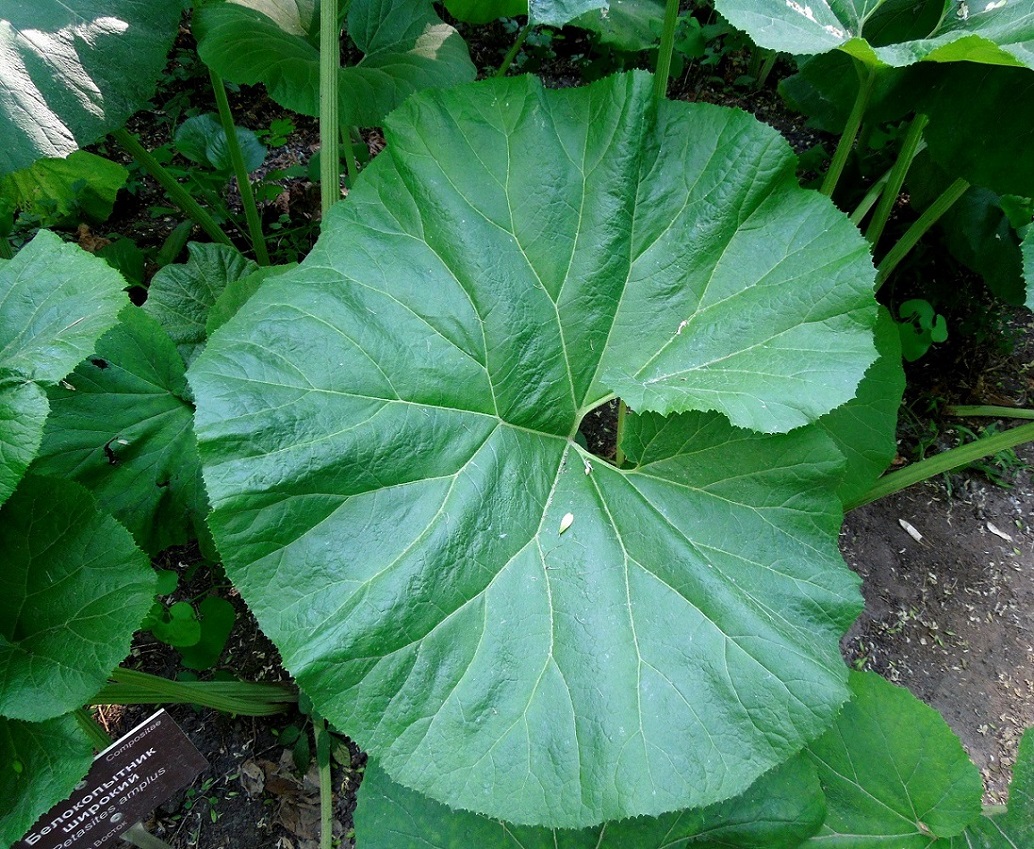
(55,302)
(407,47)
(40,762)
(781,809)
(865,428)
(509,624)
(122,426)
(989,142)
(892,33)
(180,296)
(893,772)
(1014,827)
(63,80)
(73,590)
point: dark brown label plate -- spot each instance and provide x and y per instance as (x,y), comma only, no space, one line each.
(127,781)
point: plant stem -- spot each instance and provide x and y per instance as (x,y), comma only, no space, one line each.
(869,201)
(619,455)
(179,195)
(5,249)
(515,48)
(251,213)
(944,462)
(249,699)
(330,129)
(866,77)
(766,69)
(137,835)
(918,230)
(98,736)
(660,80)
(993,412)
(896,178)
(319,729)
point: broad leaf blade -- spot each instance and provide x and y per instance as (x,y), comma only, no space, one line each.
(959,139)
(556,13)
(63,80)
(865,428)
(73,590)
(891,34)
(781,809)
(180,296)
(893,772)
(407,46)
(483,11)
(40,763)
(1014,828)
(122,427)
(23,412)
(55,301)
(388,446)
(62,191)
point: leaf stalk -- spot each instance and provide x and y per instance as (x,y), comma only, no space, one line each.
(98,736)
(330,129)
(867,78)
(918,229)
(132,687)
(251,214)
(944,462)
(664,53)
(515,48)
(896,178)
(177,193)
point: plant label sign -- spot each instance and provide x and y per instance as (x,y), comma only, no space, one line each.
(127,781)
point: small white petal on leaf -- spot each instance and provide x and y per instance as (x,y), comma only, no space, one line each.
(565,523)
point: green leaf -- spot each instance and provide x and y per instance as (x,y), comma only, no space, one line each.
(40,763)
(782,808)
(216,616)
(180,296)
(483,11)
(122,426)
(407,47)
(237,293)
(556,13)
(989,142)
(976,229)
(865,428)
(55,301)
(23,413)
(893,772)
(630,25)
(178,626)
(63,71)
(1013,828)
(202,139)
(825,88)
(61,191)
(895,33)
(73,590)
(388,439)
